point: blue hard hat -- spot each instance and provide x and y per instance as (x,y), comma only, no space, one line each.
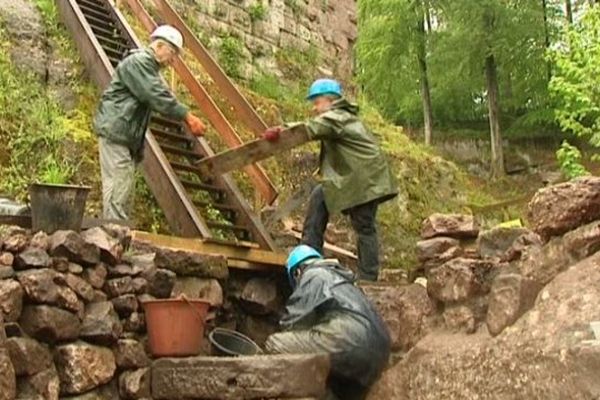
(297,256)
(322,87)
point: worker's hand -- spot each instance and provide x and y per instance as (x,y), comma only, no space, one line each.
(272,134)
(196,125)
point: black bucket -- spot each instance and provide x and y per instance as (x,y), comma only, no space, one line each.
(57,207)
(226,342)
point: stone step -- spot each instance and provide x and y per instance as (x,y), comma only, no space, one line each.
(266,376)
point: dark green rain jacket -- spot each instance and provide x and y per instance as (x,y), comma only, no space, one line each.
(135,91)
(354,170)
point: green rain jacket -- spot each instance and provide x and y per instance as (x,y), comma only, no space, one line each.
(354,171)
(135,91)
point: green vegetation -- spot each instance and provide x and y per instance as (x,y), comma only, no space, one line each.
(257,11)
(39,140)
(231,55)
(575,81)
(569,159)
(294,5)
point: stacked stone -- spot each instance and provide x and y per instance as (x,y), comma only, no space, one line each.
(70,305)
(457,278)
(565,220)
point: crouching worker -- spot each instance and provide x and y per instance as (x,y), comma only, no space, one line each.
(327,313)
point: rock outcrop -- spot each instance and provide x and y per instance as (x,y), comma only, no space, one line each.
(546,354)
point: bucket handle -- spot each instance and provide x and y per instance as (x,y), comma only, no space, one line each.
(189,303)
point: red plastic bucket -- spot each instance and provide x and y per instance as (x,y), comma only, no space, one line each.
(175,326)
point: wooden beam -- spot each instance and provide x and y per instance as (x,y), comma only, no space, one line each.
(253,152)
(245,257)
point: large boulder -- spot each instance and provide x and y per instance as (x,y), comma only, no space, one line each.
(460,279)
(275,376)
(40,240)
(79,286)
(549,353)
(209,290)
(70,244)
(135,384)
(543,263)
(260,296)
(494,243)
(438,250)
(95,276)
(118,286)
(8,380)
(160,282)
(11,299)
(130,354)
(101,324)
(510,297)
(16,243)
(451,225)
(32,258)
(41,287)
(405,310)
(560,208)
(28,356)
(111,250)
(125,305)
(185,263)
(49,324)
(83,367)
(43,385)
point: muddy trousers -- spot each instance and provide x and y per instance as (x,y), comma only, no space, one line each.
(363,219)
(118,173)
(350,363)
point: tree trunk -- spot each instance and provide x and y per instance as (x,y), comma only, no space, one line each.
(569,9)
(491,74)
(547,36)
(425,90)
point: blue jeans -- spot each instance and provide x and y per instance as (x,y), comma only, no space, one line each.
(363,219)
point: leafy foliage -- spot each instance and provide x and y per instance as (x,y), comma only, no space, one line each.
(459,36)
(257,11)
(575,82)
(230,55)
(569,159)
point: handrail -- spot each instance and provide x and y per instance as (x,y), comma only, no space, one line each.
(245,112)
(257,174)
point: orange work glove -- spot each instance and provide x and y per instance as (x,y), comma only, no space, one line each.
(196,126)
(272,134)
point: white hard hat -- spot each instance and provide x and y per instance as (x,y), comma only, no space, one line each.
(170,34)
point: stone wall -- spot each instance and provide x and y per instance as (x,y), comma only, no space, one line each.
(266,27)
(71,316)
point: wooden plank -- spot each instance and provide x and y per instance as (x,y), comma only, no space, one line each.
(245,112)
(253,152)
(240,253)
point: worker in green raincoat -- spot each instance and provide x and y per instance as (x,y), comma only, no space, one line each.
(123,115)
(356,177)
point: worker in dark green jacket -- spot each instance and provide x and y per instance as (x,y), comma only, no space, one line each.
(356,177)
(123,115)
